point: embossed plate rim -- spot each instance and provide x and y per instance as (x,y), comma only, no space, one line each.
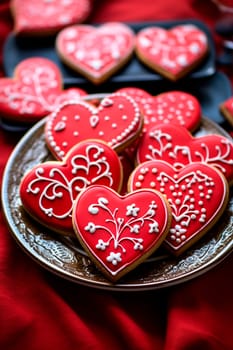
(96,280)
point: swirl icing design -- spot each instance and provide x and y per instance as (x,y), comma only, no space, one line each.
(119,231)
(116,121)
(49,190)
(35,90)
(178,147)
(197,195)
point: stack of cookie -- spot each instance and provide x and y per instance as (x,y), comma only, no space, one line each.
(124,183)
(127,174)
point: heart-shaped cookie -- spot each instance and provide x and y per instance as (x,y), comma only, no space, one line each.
(117,121)
(226,109)
(96,52)
(119,232)
(49,189)
(172,52)
(34,91)
(175,145)
(46,17)
(197,194)
(171,107)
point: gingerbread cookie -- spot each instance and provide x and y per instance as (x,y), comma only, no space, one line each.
(49,189)
(96,52)
(171,107)
(119,232)
(34,91)
(117,120)
(47,17)
(226,109)
(175,145)
(174,52)
(197,194)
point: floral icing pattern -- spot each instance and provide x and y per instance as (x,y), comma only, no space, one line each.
(35,91)
(119,231)
(96,52)
(173,51)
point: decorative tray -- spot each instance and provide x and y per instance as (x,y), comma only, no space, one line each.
(65,257)
(16,49)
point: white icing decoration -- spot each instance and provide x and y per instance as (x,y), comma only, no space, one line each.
(223,155)
(56,184)
(32,90)
(94,120)
(133,222)
(60,126)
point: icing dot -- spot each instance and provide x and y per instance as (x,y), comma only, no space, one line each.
(152,184)
(138,184)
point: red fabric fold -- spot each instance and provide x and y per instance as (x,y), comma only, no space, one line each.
(39,310)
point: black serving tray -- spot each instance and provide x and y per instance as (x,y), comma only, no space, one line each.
(134,73)
(210,92)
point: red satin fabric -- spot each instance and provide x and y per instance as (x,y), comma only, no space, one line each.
(41,311)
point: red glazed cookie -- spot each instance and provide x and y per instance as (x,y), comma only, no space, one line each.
(117,120)
(34,91)
(49,189)
(226,109)
(197,194)
(178,147)
(119,232)
(172,53)
(171,107)
(96,52)
(47,17)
